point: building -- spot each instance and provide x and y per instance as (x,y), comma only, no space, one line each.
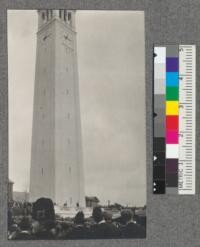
(56,156)
(10,190)
(20,196)
(91,201)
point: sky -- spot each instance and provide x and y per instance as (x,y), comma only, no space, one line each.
(111,67)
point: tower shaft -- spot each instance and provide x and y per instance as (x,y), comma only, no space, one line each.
(56,159)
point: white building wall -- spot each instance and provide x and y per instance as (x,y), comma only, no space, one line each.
(68,135)
(42,159)
(56,165)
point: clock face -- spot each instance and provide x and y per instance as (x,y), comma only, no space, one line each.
(68,37)
(46,36)
(68,40)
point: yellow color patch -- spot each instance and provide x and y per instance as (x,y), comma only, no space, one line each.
(172,108)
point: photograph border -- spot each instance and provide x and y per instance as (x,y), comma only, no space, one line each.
(172,220)
(128,189)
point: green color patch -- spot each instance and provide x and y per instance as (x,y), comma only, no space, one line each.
(172,93)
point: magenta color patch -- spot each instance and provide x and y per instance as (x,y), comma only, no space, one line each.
(172,137)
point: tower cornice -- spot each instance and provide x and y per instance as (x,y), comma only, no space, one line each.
(54,19)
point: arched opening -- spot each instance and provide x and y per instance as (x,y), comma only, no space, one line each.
(43,16)
(47,14)
(65,15)
(60,13)
(69,17)
(51,13)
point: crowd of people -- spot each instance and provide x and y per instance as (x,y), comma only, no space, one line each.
(38,221)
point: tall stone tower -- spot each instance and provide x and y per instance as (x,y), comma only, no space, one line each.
(56,158)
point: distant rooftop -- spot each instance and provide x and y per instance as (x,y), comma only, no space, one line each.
(92,198)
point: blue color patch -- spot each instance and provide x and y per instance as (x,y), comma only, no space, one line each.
(172,79)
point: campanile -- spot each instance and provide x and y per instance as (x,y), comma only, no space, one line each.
(56,155)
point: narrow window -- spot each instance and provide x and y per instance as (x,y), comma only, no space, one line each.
(43,16)
(65,14)
(47,14)
(69,16)
(42,172)
(51,11)
(60,13)
(68,115)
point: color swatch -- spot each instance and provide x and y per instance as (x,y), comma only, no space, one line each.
(159,147)
(174,119)
(172,110)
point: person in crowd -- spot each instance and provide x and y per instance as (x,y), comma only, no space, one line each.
(43,215)
(43,229)
(79,229)
(43,210)
(13,231)
(97,229)
(129,228)
(27,209)
(24,231)
(60,230)
(10,218)
(102,229)
(64,229)
(112,229)
(38,221)
(79,218)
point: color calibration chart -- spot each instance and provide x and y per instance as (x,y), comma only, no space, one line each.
(174,119)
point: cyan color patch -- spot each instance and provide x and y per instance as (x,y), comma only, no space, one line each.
(172,79)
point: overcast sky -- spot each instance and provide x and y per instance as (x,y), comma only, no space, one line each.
(112,87)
